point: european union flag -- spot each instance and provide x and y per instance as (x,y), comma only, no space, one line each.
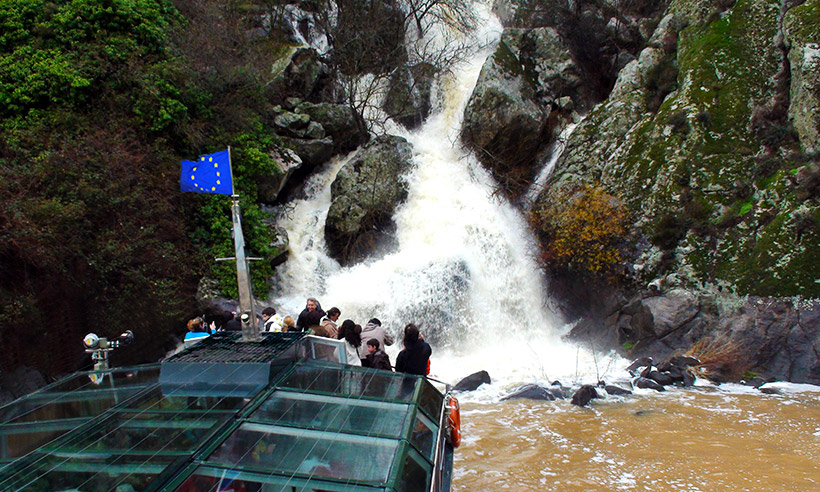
(210,174)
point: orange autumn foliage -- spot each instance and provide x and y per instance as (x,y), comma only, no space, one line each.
(582,231)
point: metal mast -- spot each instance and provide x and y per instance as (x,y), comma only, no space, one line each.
(247,308)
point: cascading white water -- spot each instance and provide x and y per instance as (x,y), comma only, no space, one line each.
(465,269)
(554,154)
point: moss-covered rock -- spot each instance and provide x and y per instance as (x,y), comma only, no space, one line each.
(365,194)
(408,97)
(802,32)
(712,156)
(503,120)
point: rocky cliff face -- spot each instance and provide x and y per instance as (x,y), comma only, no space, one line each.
(709,137)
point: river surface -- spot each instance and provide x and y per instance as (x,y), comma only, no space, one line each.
(704,439)
(465,270)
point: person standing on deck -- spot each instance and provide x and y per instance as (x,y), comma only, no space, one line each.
(376,358)
(351,333)
(328,323)
(273,322)
(311,305)
(416,354)
(373,331)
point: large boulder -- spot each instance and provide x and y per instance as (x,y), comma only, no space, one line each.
(311,151)
(473,381)
(408,97)
(365,194)
(672,311)
(299,72)
(535,392)
(269,187)
(584,395)
(339,121)
(503,120)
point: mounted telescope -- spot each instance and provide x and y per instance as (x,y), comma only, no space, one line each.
(100,347)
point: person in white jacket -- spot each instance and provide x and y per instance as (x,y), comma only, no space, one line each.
(273,322)
(351,333)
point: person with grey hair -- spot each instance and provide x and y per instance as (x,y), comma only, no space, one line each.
(311,305)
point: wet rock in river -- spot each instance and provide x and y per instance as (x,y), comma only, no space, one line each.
(662,378)
(473,381)
(648,383)
(638,363)
(584,395)
(616,390)
(535,392)
(755,382)
(769,390)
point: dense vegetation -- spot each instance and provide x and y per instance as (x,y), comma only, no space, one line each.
(99,100)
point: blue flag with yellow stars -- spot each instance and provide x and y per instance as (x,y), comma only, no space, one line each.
(210,174)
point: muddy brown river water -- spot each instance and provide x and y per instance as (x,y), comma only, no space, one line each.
(710,439)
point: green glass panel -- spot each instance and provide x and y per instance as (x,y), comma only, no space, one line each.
(31,422)
(140,433)
(85,474)
(423,435)
(415,474)
(215,479)
(361,417)
(287,451)
(431,400)
(351,382)
(66,406)
(160,402)
(19,440)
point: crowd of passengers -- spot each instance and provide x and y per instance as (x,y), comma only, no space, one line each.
(364,345)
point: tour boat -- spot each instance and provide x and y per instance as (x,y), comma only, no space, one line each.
(282,413)
(236,411)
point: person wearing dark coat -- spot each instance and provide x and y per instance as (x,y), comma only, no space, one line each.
(376,358)
(232,323)
(311,305)
(413,359)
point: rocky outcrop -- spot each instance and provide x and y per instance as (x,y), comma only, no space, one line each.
(316,132)
(732,336)
(339,122)
(269,187)
(691,139)
(365,194)
(504,122)
(300,73)
(800,27)
(709,137)
(408,97)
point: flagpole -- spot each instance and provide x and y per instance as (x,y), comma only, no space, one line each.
(247,308)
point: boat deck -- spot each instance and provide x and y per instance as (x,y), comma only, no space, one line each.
(268,419)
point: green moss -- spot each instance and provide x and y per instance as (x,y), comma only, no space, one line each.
(803,21)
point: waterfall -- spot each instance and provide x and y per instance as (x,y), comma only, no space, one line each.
(465,269)
(543,175)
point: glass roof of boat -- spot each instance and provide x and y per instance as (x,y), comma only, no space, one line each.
(316,425)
